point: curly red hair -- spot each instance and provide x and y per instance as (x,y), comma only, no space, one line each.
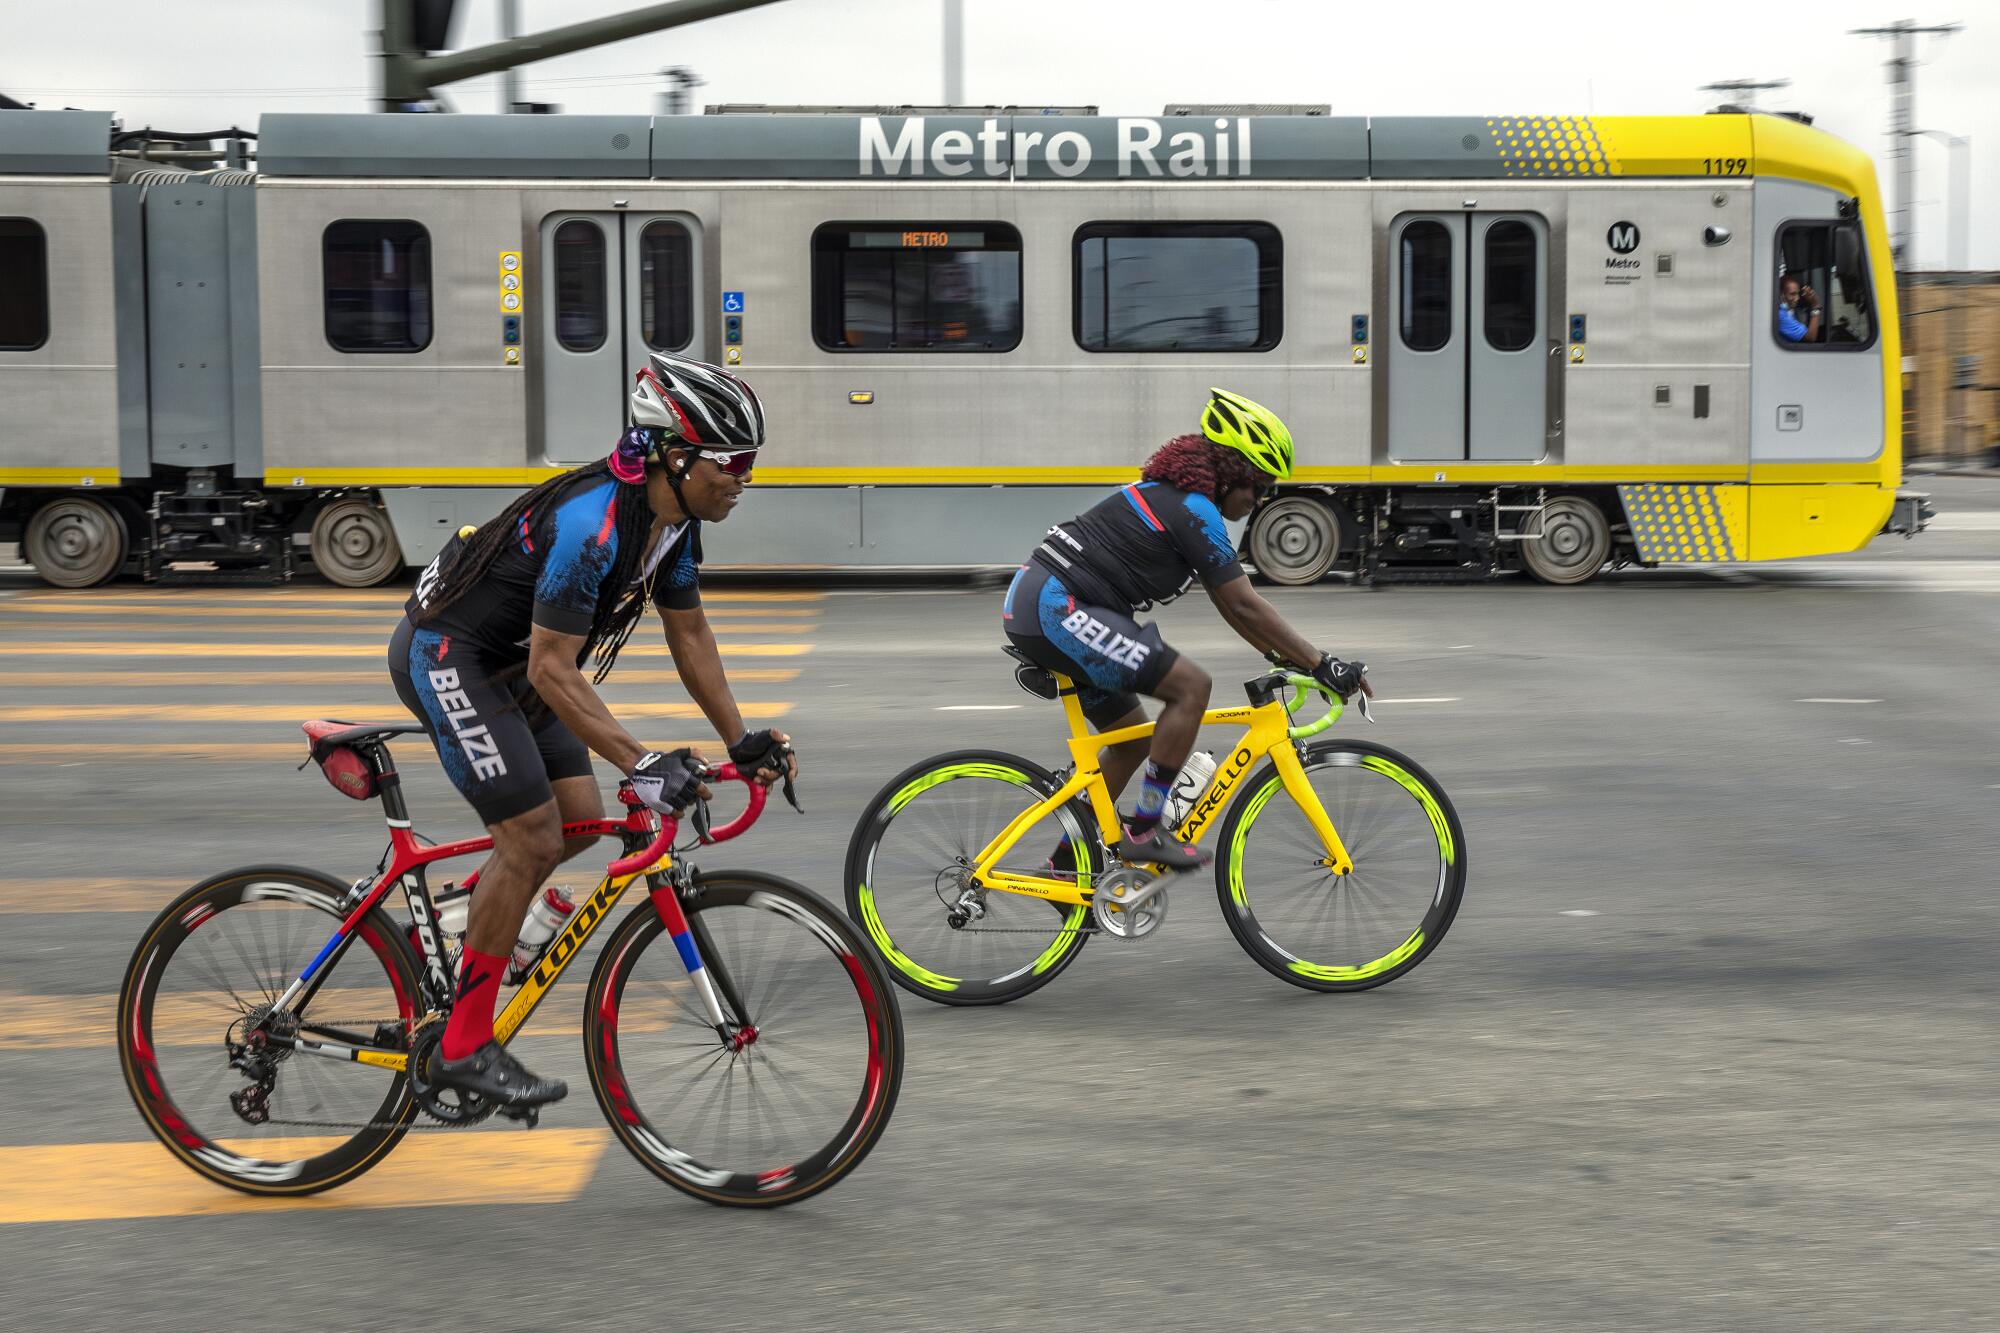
(1192,463)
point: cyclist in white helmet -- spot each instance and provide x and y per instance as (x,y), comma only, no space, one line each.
(491,651)
(1071,607)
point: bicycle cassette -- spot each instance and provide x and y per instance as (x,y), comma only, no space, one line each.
(1129,903)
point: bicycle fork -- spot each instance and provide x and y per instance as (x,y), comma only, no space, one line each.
(705,968)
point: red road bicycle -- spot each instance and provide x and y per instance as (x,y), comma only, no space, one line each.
(741,1039)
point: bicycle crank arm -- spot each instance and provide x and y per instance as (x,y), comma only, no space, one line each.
(1128,897)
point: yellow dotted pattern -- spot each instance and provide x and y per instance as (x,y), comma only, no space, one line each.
(1681,523)
(1551,146)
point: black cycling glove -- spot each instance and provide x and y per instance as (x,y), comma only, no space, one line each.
(759,749)
(1343,678)
(763,749)
(667,782)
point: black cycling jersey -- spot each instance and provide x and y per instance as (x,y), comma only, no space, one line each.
(553,574)
(1143,544)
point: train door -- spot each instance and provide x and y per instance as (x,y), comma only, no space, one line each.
(613,287)
(1467,355)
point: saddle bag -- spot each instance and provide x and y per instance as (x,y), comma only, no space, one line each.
(345,767)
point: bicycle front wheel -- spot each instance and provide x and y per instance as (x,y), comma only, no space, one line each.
(199,1008)
(1329,932)
(770,1112)
(909,867)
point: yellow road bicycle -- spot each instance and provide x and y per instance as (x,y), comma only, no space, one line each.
(980,875)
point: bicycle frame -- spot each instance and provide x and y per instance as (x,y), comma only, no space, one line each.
(1268,730)
(647,841)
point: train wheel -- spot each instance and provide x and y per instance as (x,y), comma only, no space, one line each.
(353,544)
(76,542)
(1295,539)
(1575,542)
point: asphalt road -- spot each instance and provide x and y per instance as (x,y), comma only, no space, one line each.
(1711,1044)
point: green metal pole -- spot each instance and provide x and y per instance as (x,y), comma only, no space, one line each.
(411,77)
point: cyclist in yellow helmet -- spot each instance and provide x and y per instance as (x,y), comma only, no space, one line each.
(1071,607)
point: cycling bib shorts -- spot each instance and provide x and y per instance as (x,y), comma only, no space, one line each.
(493,754)
(1112,658)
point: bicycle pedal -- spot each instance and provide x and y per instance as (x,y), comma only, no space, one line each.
(529,1116)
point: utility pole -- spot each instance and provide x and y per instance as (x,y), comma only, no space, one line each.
(678,98)
(411,76)
(954,52)
(1956,257)
(1749,88)
(1902,69)
(510,78)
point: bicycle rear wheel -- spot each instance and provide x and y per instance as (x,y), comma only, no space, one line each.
(1328,932)
(906,868)
(754,1121)
(244,1112)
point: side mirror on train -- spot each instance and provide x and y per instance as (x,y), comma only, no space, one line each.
(1715,235)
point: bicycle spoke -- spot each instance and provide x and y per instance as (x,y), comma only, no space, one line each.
(786,1094)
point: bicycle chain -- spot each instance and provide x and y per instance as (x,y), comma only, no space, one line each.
(420,1122)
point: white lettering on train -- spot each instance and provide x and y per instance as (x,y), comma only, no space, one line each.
(1139,144)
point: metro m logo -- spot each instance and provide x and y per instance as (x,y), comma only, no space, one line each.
(1623,238)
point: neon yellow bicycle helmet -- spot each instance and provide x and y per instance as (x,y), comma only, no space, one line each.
(1251,429)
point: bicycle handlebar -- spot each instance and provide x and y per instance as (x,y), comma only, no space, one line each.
(670,825)
(1301,686)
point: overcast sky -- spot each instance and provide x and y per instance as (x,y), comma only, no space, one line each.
(198,64)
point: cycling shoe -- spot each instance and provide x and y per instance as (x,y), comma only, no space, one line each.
(494,1074)
(1159,847)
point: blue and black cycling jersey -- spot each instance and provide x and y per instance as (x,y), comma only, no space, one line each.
(1141,545)
(553,572)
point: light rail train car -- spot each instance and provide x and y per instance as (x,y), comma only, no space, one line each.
(1557,344)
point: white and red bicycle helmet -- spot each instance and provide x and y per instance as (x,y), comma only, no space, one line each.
(697,404)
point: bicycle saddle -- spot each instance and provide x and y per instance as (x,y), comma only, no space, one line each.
(329,734)
(1032,676)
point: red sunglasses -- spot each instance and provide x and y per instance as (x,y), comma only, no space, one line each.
(736,462)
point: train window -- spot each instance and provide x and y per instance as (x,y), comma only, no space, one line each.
(666,286)
(582,321)
(378,285)
(1424,273)
(1822,296)
(916,287)
(24,285)
(1178,287)
(1510,285)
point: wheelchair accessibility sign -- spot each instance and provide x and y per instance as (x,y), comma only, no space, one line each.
(732,303)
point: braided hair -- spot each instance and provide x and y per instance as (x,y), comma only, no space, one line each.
(616,616)
(1193,464)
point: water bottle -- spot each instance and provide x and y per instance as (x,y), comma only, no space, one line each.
(547,915)
(453,905)
(1190,786)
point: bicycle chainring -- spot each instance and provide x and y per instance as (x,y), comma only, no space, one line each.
(447,1106)
(1122,922)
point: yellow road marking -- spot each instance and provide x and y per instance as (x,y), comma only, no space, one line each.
(175,713)
(235,652)
(292,752)
(172,612)
(142,678)
(88,895)
(196,1018)
(352,632)
(91,1182)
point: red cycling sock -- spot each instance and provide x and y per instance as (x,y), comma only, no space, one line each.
(471,1024)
